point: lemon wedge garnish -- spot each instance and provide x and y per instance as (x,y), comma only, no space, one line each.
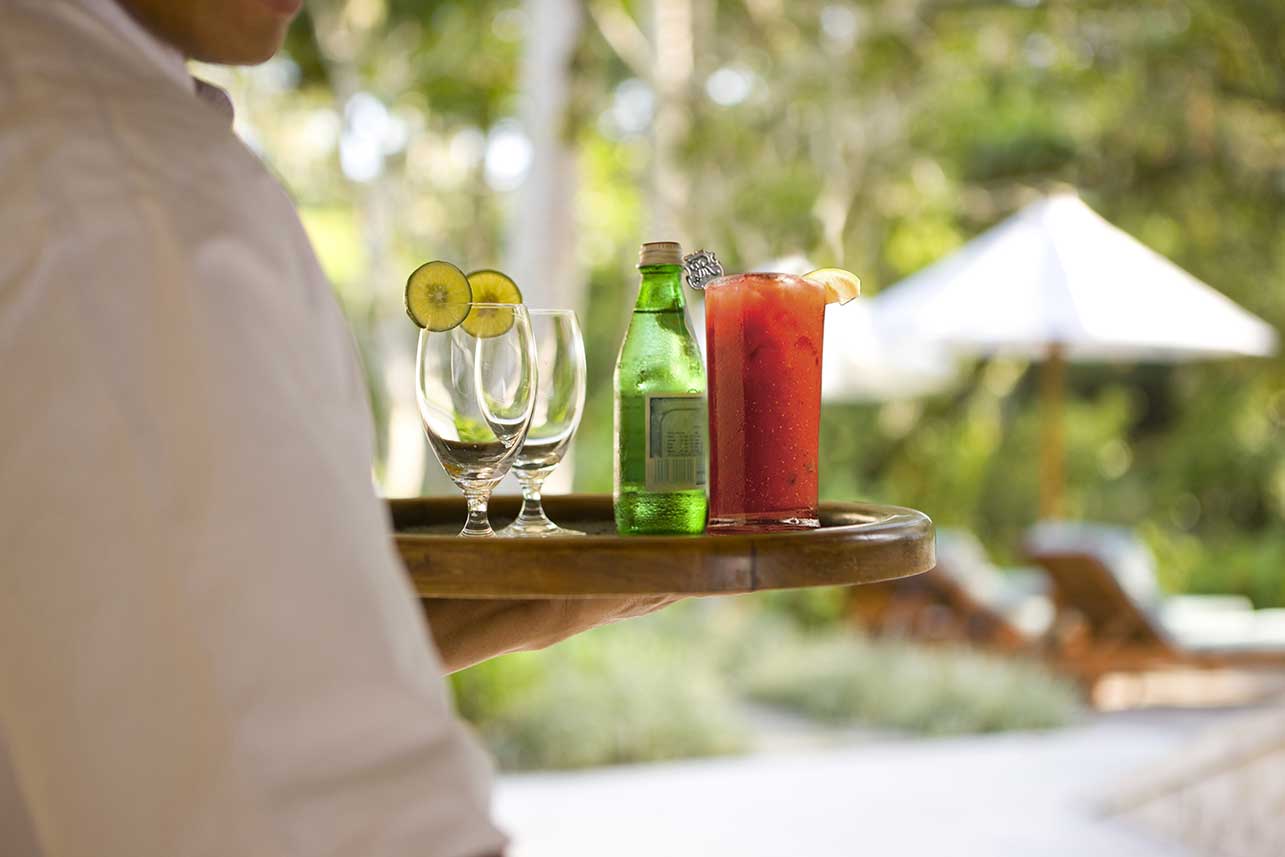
(840,286)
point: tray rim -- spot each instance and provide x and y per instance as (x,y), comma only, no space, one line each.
(900,543)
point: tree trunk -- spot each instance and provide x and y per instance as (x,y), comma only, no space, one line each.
(542,240)
(342,48)
(671,78)
(542,244)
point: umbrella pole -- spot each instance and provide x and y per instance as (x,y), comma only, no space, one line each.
(1052,394)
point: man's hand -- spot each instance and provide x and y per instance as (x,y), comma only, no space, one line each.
(468,630)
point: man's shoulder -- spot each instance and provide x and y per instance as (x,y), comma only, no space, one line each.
(107,167)
(79,112)
(90,144)
(60,44)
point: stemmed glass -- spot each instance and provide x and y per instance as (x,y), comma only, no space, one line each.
(559,403)
(476,394)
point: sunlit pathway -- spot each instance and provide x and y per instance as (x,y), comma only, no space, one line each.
(1017,794)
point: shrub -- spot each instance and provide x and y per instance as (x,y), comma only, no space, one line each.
(671,686)
(843,678)
(615,695)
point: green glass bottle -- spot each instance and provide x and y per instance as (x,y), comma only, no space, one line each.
(660,416)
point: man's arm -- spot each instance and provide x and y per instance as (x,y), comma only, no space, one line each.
(468,631)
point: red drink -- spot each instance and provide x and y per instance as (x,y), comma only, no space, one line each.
(763,340)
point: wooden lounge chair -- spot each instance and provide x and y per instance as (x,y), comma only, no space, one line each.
(963,599)
(1111,615)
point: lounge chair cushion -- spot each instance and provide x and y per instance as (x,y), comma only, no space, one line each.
(1116,548)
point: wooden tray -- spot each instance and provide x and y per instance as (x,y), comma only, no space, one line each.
(856,543)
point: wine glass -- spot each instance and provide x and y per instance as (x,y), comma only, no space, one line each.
(475,386)
(559,402)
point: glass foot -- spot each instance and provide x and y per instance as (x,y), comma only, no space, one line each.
(763,522)
(538,529)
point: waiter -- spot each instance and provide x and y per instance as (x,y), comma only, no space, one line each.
(207,643)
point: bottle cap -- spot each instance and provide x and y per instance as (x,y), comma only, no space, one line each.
(660,253)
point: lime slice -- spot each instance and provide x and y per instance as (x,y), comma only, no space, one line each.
(840,286)
(437,296)
(491,287)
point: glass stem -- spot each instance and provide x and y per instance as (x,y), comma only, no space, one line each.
(478,523)
(532,503)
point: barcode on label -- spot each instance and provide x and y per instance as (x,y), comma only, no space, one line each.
(676,472)
(675,442)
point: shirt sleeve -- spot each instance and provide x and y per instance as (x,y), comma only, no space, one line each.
(207,642)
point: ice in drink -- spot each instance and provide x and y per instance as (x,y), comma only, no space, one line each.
(763,342)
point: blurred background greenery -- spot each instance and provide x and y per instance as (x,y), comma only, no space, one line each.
(700,678)
(550,137)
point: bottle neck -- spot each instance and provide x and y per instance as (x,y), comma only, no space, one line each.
(661,289)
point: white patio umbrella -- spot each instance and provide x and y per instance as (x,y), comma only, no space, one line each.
(862,363)
(1057,282)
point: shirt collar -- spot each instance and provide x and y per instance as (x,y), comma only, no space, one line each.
(166,58)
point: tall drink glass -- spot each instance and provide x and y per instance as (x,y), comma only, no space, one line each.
(763,340)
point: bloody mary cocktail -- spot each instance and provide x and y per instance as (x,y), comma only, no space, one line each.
(763,341)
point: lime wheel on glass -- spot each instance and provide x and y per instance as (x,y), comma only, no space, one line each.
(438,296)
(491,287)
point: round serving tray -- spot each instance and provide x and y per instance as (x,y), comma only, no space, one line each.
(856,543)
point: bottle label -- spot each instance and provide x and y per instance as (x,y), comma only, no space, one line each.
(675,442)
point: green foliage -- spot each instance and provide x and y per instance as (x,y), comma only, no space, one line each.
(1238,565)
(671,685)
(814,609)
(1220,564)
(845,679)
(630,693)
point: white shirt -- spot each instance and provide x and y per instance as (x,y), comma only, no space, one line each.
(208,645)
